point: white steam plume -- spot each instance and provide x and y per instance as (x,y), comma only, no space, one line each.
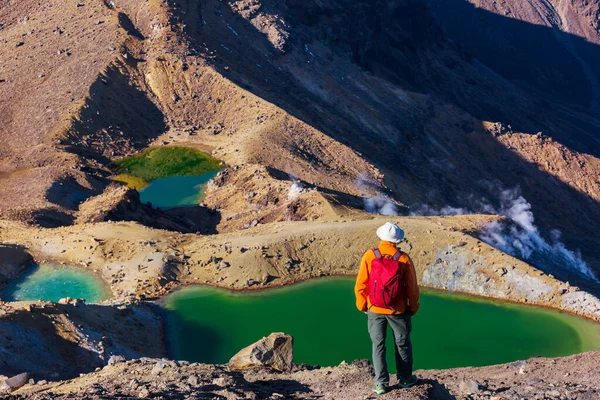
(297,188)
(521,238)
(378,203)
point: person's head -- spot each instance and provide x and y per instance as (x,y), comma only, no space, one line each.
(390,232)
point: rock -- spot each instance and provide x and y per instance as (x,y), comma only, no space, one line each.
(134,384)
(192,380)
(12,384)
(65,300)
(362,363)
(274,351)
(250,395)
(223,381)
(115,360)
(159,366)
(143,393)
(468,386)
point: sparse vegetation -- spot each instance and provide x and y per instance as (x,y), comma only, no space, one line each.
(163,162)
(131,181)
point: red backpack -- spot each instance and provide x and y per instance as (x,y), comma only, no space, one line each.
(385,279)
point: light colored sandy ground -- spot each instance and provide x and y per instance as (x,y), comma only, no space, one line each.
(140,262)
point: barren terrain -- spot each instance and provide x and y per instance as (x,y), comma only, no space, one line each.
(537,378)
(323,113)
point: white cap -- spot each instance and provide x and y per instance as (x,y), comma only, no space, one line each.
(390,232)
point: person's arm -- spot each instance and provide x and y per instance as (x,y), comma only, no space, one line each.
(361,288)
(412,287)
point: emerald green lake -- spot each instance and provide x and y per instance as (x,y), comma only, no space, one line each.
(52,282)
(210,325)
(176,191)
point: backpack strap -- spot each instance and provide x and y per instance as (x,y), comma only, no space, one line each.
(397,255)
(377,253)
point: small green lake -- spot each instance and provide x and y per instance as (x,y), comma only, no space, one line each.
(210,325)
(51,282)
(168,177)
(176,191)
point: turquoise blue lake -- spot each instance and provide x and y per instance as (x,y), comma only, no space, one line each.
(51,282)
(176,191)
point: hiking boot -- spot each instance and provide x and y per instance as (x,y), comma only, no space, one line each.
(380,388)
(407,382)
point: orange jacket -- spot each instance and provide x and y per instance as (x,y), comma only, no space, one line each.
(409,298)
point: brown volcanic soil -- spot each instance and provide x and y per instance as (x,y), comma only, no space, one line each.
(142,263)
(538,378)
(312,90)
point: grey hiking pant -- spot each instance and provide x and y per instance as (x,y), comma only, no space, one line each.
(401,327)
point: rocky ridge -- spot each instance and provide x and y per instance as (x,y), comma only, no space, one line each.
(574,377)
(312,93)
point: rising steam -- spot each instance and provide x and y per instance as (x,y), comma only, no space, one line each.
(297,188)
(377,203)
(521,237)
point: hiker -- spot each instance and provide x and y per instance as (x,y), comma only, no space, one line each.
(387,291)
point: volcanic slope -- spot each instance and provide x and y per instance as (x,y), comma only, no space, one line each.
(352,98)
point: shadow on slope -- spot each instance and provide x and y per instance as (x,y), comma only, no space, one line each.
(14,259)
(117,118)
(524,53)
(441,153)
(62,341)
(542,60)
(119,203)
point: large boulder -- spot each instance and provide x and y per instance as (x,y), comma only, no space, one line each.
(275,352)
(15,382)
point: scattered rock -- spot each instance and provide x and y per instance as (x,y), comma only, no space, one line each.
(159,366)
(223,381)
(192,380)
(266,279)
(469,386)
(115,360)
(274,351)
(12,384)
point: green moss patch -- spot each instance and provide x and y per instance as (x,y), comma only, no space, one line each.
(131,181)
(165,162)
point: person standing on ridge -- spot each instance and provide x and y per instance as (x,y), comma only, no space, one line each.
(387,291)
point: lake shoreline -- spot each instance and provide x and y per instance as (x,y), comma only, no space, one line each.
(174,287)
(211,315)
